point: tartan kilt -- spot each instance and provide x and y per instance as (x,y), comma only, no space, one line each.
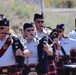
(73,60)
(59,66)
(27,69)
(51,68)
(73,55)
(10,70)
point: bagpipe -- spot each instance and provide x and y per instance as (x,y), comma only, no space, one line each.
(42,55)
(47,39)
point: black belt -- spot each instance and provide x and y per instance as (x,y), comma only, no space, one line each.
(7,69)
(32,65)
(31,68)
(64,58)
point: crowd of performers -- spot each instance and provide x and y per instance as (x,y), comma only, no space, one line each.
(42,51)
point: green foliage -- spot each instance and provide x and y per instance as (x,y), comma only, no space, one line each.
(20,12)
(17,12)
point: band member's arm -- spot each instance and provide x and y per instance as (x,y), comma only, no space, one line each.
(27,53)
(19,52)
(48,49)
(58,46)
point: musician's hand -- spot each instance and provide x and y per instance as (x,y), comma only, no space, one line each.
(19,52)
(45,47)
(27,53)
(55,40)
(48,49)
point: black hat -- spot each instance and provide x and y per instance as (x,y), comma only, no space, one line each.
(4,22)
(38,16)
(27,25)
(60,26)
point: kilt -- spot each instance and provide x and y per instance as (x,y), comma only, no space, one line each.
(59,66)
(73,55)
(31,68)
(10,70)
(51,68)
(73,60)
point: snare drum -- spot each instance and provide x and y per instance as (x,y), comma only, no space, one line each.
(69,69)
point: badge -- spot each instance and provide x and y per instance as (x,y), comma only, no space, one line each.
(5,22)
(4,71)
(65,43)
(9,40)
(33,73)
(5,46)
(16,46)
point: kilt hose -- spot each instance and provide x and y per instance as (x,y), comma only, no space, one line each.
(51,68)
(10,70)
(59,66)
(32,68)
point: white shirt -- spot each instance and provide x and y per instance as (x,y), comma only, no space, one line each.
(33,47)
(8,57)
(72,34)
(67,44)
(43,33)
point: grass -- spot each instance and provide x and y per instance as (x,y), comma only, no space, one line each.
(67,18)
(20,12)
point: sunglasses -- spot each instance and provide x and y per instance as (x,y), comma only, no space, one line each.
(1,28)
(28,30)
(60,31)
(40,21)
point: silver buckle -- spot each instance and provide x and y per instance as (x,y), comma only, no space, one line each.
(33,73)
(4,70)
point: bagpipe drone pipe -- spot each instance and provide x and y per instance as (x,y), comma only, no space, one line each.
(42,55)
